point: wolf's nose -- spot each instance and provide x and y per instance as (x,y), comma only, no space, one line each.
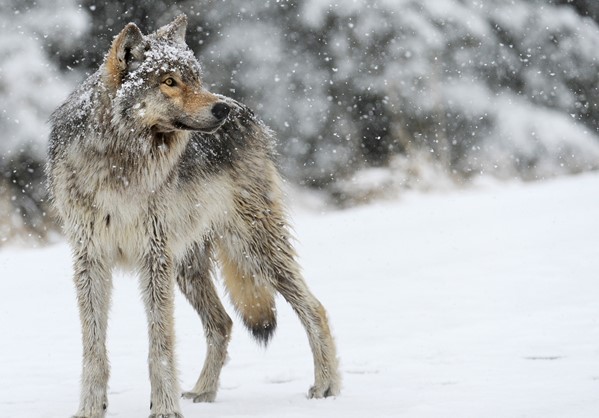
(220,110)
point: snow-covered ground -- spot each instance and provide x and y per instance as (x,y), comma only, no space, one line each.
(476,303)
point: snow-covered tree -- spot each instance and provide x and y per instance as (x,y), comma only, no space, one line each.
(503,87)
(30,88)
(418,92)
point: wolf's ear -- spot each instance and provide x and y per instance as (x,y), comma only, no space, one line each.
(174,31)
(124,54)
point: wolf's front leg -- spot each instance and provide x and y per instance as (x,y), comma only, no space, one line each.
(93,283)
(157,283)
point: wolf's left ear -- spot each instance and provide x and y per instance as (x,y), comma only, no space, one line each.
(124,53)
(174,31)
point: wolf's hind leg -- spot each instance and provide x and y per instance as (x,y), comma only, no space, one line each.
(260,245)
(313,317)
(196,284)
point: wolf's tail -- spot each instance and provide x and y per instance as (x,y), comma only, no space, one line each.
(255,302)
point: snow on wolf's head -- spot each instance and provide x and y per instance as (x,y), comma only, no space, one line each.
(156,81)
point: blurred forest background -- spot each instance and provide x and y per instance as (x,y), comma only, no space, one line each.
(367,96)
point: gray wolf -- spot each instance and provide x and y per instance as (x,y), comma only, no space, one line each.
(150,171)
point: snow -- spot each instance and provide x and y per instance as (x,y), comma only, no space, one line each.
(25,106)
(480,302)
(346,84)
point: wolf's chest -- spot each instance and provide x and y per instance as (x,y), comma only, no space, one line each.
(120,226)
(186,214)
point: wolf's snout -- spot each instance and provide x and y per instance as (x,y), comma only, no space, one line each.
(220,110)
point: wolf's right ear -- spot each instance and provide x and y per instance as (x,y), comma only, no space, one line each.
(174,31)
(124,54)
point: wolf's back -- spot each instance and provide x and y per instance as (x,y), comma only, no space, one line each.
(72,119)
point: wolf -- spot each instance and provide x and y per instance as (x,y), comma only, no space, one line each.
(148,170)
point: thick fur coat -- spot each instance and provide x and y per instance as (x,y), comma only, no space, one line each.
(149,171)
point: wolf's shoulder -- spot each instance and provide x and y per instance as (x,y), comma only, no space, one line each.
(79,104)
(242,135)
(244,127)
(72,118)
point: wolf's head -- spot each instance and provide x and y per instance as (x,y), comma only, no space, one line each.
(156,81)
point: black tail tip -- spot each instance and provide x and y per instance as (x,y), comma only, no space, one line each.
(263,332)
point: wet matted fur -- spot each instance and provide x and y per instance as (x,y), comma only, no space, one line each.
(150,171)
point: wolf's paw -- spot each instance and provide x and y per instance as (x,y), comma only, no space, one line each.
(88,416)
(169,415)
(93,408)
(200,397)
(101,414)
(323,391)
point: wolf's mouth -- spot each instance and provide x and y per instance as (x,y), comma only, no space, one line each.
(205,129)
(183,127)
(180,126)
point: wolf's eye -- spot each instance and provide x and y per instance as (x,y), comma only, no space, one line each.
(170,82)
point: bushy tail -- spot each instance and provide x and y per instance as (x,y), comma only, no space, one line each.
(254,302)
